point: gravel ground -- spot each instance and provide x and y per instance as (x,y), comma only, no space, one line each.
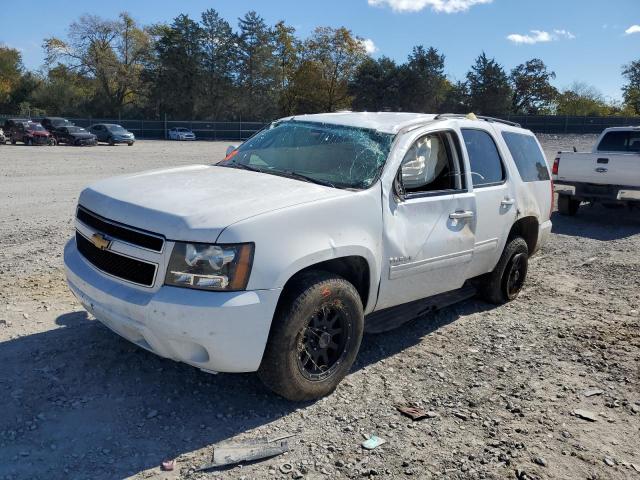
(502,384)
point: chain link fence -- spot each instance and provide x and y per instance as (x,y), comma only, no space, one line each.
(241,130)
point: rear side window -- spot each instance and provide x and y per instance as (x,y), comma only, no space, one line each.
(620,142)
(527,156)
(484,159)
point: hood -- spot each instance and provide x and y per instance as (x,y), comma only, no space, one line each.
(196,203)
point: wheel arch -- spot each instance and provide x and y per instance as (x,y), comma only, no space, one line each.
(528,228)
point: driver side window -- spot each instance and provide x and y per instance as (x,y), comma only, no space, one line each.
(431,165)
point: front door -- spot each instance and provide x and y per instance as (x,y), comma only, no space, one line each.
(429,222)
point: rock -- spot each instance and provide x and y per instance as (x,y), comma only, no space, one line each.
(610,462)
(540,461)
(592,392)
(297,474)
(152,413)
(585,415)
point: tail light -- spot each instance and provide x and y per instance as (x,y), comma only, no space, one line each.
(556,164)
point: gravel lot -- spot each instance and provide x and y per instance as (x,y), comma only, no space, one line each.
(76,401)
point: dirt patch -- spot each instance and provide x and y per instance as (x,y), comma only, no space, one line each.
(502,384)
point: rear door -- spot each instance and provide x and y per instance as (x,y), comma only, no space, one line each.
(495,201)
(429,225)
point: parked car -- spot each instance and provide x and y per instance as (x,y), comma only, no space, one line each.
(53,123)
(3,139)
(111,133)
(73,135)
(27,132)
(181,133)
(314,230)
(609,174)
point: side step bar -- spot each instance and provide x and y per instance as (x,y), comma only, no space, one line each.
(393,317)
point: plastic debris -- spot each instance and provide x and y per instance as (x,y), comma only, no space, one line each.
(168,465)
(414,413)
(373,442)
(233,453)
(585,415)
(286,468)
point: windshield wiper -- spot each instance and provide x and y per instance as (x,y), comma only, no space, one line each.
(300,176)
(244,166)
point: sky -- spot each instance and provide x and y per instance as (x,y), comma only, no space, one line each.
(580,40)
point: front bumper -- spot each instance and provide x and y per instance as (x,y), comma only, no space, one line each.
(123,140)
(214,331)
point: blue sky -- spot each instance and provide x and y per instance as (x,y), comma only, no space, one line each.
(581,40)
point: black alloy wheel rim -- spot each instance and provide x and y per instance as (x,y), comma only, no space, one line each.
(517,274)
(323,343)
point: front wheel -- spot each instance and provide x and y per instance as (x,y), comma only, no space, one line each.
(506,280)
(314,339)
(110,141)
(29,142)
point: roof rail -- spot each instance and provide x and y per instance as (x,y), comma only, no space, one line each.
(443,116)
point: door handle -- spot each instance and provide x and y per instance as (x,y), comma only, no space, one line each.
(507,201)
(601,170)
(603,160)
(461,214)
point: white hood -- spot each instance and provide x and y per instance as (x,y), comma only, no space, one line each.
(196,203)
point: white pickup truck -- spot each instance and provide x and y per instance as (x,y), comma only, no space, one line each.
(318,228)
(609,174)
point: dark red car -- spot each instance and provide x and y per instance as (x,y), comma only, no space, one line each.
(30,133)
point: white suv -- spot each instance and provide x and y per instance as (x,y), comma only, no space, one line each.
(314,230)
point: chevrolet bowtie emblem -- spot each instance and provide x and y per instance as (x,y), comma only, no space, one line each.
(100,241)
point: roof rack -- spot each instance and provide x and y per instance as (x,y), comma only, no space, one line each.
(479,117)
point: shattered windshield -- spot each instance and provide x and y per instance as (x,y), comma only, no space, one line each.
(333,155)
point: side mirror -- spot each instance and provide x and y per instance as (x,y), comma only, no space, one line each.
(230,150)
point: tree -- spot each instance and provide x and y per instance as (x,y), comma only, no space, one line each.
(112,52)
(219,45)
(532,89)
(376,85)
(287,52)
(257,69)
(64,92)
(631,90)
(582,100)
(489,90)
(178,72)
(456,98)
(11,71)
(332,57)
(423,82)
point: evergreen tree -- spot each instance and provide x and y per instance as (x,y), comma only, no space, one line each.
(489,90)
(423,82)
(376,86)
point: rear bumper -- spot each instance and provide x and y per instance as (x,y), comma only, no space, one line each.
(590,192)
(215,331)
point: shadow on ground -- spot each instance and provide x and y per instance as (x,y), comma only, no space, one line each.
(598,223)
(81,402)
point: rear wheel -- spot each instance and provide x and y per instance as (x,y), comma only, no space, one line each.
(314,338)
(506,280)
(567,205)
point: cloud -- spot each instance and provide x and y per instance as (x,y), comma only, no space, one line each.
(540,36)
(446,6)
(632,29)
(369,46)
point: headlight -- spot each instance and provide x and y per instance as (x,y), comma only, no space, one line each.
(210,267)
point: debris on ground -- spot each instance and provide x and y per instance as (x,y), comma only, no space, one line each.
(593,392)
(168,465)
(373,442)
(415,413)
(236,452)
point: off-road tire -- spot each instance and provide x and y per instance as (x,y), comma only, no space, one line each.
(280,370)
(493,287)
(567,205)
